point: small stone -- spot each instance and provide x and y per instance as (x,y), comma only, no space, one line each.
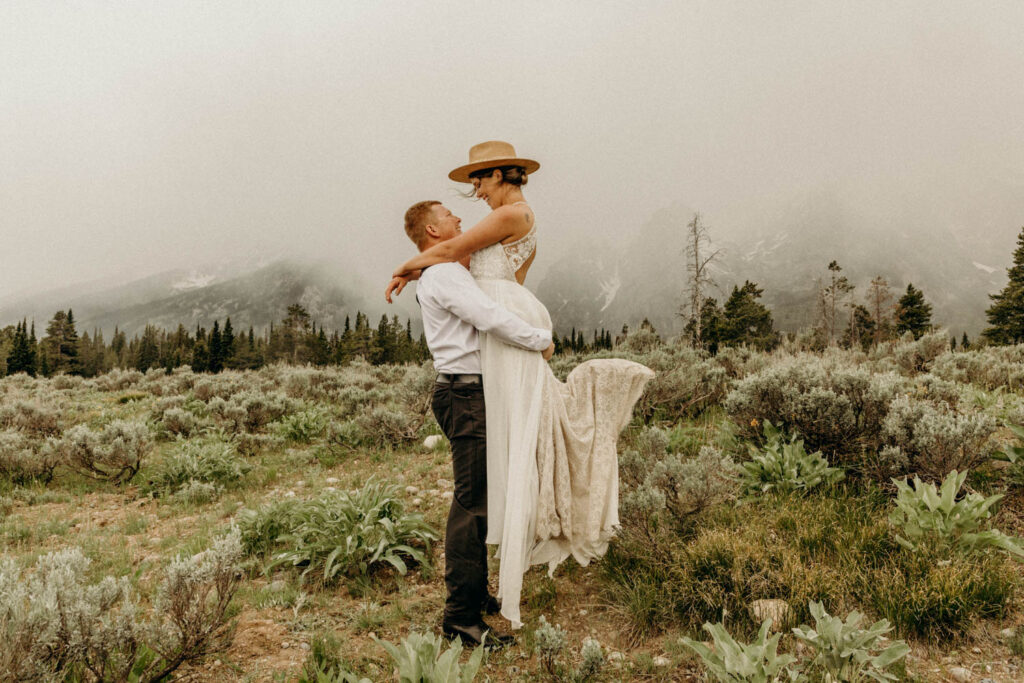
(433,492)
(447,495)
(371,635)
(776,610)
(661,661)
(289,494)
(330,488)
(431,441)
(1007,633)
(960,674)
(615,656)
(417,501)
(332,480)
(285,645)
(583,612)
(411,490)
(444,484)
(988,680)
(300,483)
(976,650)
(304,646)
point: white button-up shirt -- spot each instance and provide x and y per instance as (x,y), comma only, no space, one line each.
(454,308)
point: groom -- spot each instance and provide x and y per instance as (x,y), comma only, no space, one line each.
(454,310)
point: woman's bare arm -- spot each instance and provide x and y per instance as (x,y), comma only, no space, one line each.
(498,226)
(397,284)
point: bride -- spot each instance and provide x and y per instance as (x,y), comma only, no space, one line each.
(552,466)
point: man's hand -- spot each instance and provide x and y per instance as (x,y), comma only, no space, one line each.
(395,287)
(548,352)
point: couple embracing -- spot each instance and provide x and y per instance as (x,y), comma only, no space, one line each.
(535,462)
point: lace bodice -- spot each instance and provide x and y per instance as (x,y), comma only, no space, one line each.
(501,261)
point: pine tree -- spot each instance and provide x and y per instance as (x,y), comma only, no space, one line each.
(69,346)
(746,320)
(216,348)
(227,343)
(710,324)
(1006,314)
(913,313)
(200,356)
(861,330)
(383,343)
(148,351)
(965,343)
(22,356)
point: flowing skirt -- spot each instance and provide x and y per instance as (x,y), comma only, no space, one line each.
(552,465)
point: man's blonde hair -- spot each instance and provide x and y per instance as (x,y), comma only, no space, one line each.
(417,218)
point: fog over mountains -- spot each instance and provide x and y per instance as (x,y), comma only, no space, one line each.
(601,283)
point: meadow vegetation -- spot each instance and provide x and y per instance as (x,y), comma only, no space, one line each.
(788,515)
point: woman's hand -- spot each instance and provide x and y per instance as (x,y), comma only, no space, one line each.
(398,283)
(395,287)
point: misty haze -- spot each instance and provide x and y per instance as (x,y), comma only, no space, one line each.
(734,383)
(151,153)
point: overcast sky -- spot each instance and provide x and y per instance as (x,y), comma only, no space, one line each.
(141,136)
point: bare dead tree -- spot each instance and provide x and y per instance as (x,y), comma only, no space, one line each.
(831,298)
(880,301)
(698,260)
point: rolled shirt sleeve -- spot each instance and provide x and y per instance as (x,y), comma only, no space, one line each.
(461,295)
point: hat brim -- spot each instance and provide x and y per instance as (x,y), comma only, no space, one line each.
(461,174)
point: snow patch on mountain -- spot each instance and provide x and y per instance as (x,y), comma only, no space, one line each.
(192,281)
(982,266)
(609,289)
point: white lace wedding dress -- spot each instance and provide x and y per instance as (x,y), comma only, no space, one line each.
(552,466)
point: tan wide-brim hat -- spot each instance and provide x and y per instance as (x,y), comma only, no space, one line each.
(491,155)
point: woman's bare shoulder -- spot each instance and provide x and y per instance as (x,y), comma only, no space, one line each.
(519,216)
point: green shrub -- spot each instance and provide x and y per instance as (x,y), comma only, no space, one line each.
(59,626)
(114,454)
(23,459)
(843,651)
(32,418)
(734,662)
(837,408)
(793,548)
(195,492)
(935,439)
(342,533)
(785,466)
(934,520)
(930,597)
(419,657)
(991,367)
(302,427)
(192,462)
(260,528)
(388,425)
(550,641)
(691,485)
